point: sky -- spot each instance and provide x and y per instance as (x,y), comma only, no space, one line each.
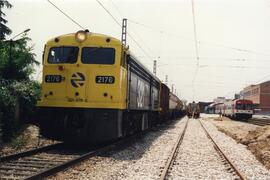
(232,37)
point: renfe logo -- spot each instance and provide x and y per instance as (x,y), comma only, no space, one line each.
(77,79)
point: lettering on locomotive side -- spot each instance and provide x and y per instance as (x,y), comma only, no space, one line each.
(105,79)
(53,78)
(140,97)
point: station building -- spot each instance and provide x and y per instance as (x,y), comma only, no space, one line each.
(259,94)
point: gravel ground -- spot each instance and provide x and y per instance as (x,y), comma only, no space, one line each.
(239,154)
(256,138)
(197,158)
(236,129)
(143,159)
(146,157)
(26,140)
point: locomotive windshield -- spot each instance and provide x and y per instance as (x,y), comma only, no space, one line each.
(239,106)
(97,55)
(59,55)
(248,106)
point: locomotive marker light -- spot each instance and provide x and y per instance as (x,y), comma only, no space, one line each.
(61,68)
(81,36)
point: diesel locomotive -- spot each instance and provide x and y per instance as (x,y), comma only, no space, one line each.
(193,110)
(94,90)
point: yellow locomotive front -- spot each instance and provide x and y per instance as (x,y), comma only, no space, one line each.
(83,70)
(84,77)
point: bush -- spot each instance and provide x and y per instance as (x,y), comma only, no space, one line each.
(12,93)
(19,142)
(0,127)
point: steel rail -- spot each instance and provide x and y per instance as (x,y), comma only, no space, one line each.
(49,172)
(29,152)
(217,148)
(258,122)
(174,153)
(53,169)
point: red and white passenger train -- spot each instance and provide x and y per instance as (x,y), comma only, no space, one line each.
(235,109)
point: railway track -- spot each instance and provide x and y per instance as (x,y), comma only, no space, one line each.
(46,161)
(174,153)
(41,162)
(259,122)
(232,168)
(225,159)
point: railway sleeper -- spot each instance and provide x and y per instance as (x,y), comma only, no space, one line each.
(25,165)
(16,174)
(35,162)
(19,168)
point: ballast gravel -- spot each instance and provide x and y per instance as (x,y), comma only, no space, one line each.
(244,160)
(143,159)
(197,158)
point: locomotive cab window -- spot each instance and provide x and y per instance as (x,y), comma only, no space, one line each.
(248,106)
(60,55)
(239,106)
(98,55)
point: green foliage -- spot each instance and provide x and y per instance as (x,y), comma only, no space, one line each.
(4,30)
(19,142)
(16,65)
(26,93)
(16,59)
(1,127)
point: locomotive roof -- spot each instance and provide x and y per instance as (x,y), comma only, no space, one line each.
(91,35)
(145,68)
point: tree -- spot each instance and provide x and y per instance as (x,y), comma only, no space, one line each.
(17,62)
(18,93)
(4,30)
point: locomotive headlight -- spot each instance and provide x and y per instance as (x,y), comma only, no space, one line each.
(81,36)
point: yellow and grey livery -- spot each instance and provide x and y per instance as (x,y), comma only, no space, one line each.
(93,90)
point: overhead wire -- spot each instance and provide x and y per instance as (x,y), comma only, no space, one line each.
(222,66)
(122,16)
(65,14)
(199,42)
(196,50)
(110,14)
(117,9)
(115,20)
(177,58)
(261,79)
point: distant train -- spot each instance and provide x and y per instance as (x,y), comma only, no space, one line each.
(193,110)
(94,90)
(236,109)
